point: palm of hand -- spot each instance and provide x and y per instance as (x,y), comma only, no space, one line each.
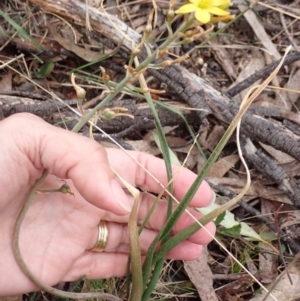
(55,236)
(59,229)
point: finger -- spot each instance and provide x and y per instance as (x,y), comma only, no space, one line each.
(107,265)
(69,155)
(133,173)
(98,266)
(158,219)
(118,242)
(118,238)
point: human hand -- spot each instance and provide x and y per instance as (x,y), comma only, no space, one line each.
(59,229)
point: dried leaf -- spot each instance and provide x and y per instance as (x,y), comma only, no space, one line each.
(6,82)
(221,167)
(293,84)
(224,59)
(201,276)
(284,290)
(292,218)
(292,168)
(256,62)
(259,30)
(144,146)
(85,54)
(215,136)
(278,155)
(268,263)
(256,189)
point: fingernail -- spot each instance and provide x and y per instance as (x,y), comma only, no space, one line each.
(213,198)
(120,195)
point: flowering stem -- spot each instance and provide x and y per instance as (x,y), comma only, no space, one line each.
(224,27)
(39,183)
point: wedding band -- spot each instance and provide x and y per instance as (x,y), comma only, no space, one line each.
(102,237)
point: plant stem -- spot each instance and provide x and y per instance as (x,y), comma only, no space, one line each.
(32,194)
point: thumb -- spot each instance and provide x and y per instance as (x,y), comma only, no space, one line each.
(68,155)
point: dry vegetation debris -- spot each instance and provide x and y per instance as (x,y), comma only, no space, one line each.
(51,41)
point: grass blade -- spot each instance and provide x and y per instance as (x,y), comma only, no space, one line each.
(20,30)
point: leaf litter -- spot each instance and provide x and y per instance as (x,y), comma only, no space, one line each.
(252,42)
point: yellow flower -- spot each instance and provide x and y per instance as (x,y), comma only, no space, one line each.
(205,8)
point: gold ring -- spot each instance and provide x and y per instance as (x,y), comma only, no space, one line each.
(102,237)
